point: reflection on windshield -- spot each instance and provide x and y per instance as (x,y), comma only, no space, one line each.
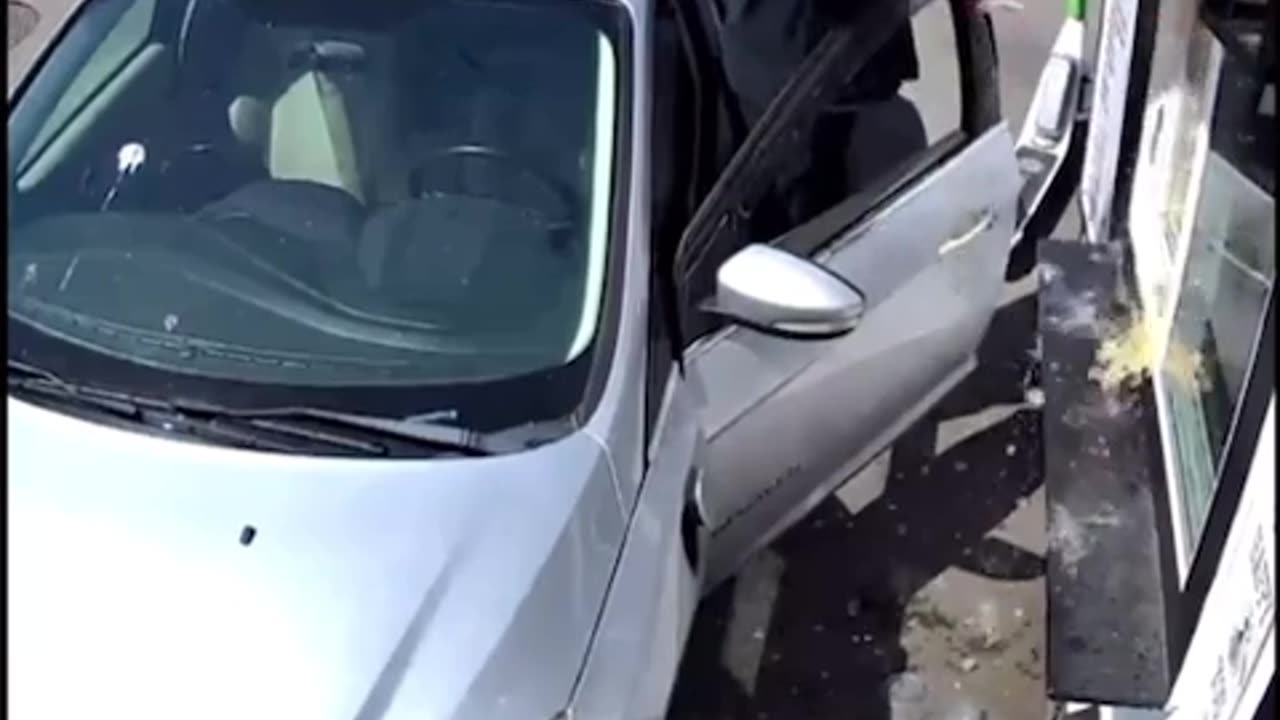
(420,197)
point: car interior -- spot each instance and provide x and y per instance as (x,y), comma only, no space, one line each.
(418,171)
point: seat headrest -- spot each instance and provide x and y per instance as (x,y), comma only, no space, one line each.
(250,121)
(310,135)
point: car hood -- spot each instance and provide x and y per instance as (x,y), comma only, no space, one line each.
(155,578)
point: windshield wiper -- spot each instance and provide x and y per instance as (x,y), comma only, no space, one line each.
(329,426)
(281,429)
(310,423)
(49,389)
(23,376)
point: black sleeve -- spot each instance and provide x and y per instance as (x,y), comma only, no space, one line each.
(765,41)
(892,65)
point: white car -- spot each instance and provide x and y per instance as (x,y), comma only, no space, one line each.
(425,358)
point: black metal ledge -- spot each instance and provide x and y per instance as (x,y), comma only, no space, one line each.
(1107,615)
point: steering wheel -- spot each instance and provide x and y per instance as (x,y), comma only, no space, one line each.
(558,222)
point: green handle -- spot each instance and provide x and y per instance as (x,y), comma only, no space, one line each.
(1075,9)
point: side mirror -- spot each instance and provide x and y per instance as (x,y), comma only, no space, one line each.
(778,293)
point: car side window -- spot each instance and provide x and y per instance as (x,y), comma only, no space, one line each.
(829,149)
(127,36)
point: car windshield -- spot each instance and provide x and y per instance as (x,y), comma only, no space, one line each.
(327,200)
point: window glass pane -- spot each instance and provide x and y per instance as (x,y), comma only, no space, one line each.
(296,194)
(1193,108)
(1244,111)
(935,91)
(124,40)
(1229,273)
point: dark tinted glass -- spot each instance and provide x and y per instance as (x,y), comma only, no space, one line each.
(323,194)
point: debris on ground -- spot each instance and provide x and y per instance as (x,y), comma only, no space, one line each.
(1034,397)
(853,607)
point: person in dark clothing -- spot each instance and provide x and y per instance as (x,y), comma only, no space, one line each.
(763,43)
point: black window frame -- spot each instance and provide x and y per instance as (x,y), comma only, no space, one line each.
(1232,20)
(1239,132)
(684,156)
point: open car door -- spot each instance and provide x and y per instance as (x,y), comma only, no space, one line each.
(924,240)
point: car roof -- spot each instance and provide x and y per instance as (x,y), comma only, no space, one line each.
(34,23)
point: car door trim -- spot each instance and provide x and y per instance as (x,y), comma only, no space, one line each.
(818,233)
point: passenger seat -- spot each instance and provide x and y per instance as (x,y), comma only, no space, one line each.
(305,134)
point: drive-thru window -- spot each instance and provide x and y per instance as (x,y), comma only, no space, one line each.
(1159,351)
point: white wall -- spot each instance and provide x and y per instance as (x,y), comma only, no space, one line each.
(1232,654)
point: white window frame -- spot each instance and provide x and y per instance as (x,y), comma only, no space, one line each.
(1161,270)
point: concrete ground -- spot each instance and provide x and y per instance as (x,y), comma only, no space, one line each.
(929,604)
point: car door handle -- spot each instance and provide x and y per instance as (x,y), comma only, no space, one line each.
(983,220)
